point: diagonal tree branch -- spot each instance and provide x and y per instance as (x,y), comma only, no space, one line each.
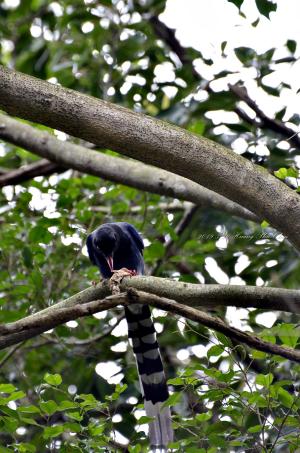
(214,323)
(156,142)
(265,122)
(128,172)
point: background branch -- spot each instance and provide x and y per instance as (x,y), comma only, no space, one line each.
(40,168)
(264,120)
(131,173)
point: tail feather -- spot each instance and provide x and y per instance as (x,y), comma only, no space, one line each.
(151,374)
(160,429)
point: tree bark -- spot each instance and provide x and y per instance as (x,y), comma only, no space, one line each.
(155,142)
(79,305)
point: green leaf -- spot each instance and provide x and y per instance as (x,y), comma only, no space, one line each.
(264,379)
(291,45)
(119,389)
(67,405)
(75,416)
(173,399)
(270,90)
(281,173)
(245,54)
(237,3)
(255,429)
(176,381)
(215,351)
(288,334)
(96,429)
(224,340)
(265,7)
(8,424)
(40,234)
(49,407)
(155,251)
(197,127)
(27,257)
(135,449)
(264,224)
(7,388)
(28,409)
(12,397)
(53,379)
(88,400)
(5,450)
(26,448)
(285,397)
(28,420)
(204,416)
(144,419)
(292,172)
(53,431)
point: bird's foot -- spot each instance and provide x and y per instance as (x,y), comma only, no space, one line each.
(118,275)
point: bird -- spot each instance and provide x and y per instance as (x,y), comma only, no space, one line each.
(118,246)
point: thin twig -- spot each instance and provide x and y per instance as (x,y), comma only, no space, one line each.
(10,353)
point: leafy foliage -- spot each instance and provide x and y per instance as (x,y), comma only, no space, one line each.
(54,393)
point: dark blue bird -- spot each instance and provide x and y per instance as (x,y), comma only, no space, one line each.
(111,247)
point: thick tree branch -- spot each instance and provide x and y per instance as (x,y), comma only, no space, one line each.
(91,300)
(31,326)
(211,296)
(190,294)
(115,169)
(155,142)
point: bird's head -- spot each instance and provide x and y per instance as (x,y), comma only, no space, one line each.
(115,245)
(105,243)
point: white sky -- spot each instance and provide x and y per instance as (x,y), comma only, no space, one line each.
(205,24)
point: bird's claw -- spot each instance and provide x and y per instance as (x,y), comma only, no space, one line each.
(127,272)
(117,277)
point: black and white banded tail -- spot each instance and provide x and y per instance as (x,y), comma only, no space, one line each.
(151,374)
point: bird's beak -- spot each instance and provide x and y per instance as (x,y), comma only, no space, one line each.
(110,262)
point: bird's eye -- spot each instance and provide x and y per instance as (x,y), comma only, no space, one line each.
(98,245)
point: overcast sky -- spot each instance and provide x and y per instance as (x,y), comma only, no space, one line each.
(205,24)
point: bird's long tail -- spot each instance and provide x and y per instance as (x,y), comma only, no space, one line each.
(152,377)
